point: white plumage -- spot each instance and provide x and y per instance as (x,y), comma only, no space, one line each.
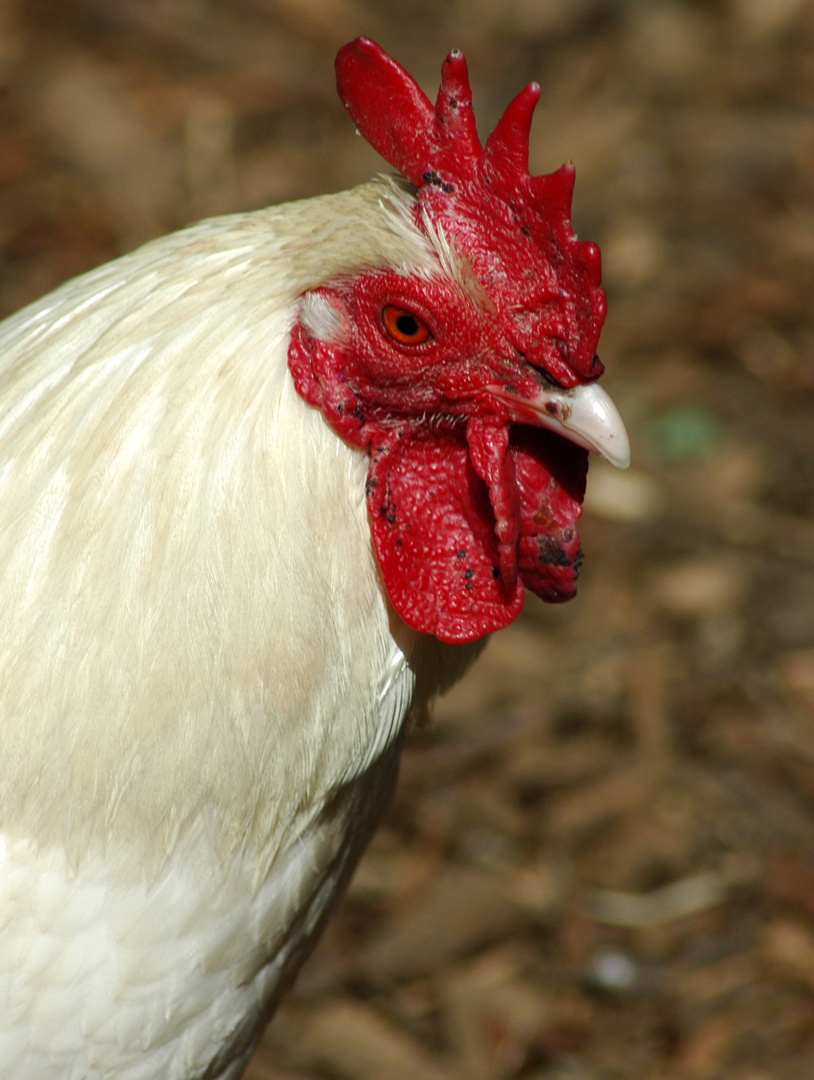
(202,684)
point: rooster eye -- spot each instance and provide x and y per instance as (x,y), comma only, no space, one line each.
(405,327)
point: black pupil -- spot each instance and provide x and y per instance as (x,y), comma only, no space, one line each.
(407,325)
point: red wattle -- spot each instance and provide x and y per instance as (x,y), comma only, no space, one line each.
(488,442)
(433,533)
(551,475)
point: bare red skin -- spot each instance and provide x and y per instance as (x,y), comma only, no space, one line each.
(468,507)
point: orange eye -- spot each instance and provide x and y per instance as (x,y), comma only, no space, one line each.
(405,327)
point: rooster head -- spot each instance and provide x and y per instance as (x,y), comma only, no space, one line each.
(472,387)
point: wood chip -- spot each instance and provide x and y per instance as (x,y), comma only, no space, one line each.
(673,901)
(648,683)
(788,947)
(705,1052)
(701,587)
(588,808)
(708,985)
(492,1013)
(464,908)
(796,671)
(359,1044)
(627,497)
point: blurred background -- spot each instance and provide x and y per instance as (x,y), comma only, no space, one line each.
(600,860)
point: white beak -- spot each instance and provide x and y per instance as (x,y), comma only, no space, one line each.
(587,416)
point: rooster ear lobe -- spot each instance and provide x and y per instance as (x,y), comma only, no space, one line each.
(387,106)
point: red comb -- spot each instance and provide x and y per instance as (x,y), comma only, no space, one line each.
(515,228)
(397,119)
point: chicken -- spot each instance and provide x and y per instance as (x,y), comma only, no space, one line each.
(265,484)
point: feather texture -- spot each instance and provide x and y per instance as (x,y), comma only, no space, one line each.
(194,744)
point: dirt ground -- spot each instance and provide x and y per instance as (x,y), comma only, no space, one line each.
(600,861)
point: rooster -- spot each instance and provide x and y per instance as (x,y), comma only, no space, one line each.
(265,484)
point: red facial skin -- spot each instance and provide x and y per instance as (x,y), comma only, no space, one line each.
(466,505)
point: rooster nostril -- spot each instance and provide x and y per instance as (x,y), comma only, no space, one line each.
(547,379)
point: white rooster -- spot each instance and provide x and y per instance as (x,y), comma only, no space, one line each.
(264,485)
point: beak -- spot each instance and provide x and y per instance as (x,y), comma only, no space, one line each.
(587,416)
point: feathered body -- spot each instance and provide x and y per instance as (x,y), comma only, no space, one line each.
(183,785)
(220,604)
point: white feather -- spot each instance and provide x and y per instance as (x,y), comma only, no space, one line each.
(202,683)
